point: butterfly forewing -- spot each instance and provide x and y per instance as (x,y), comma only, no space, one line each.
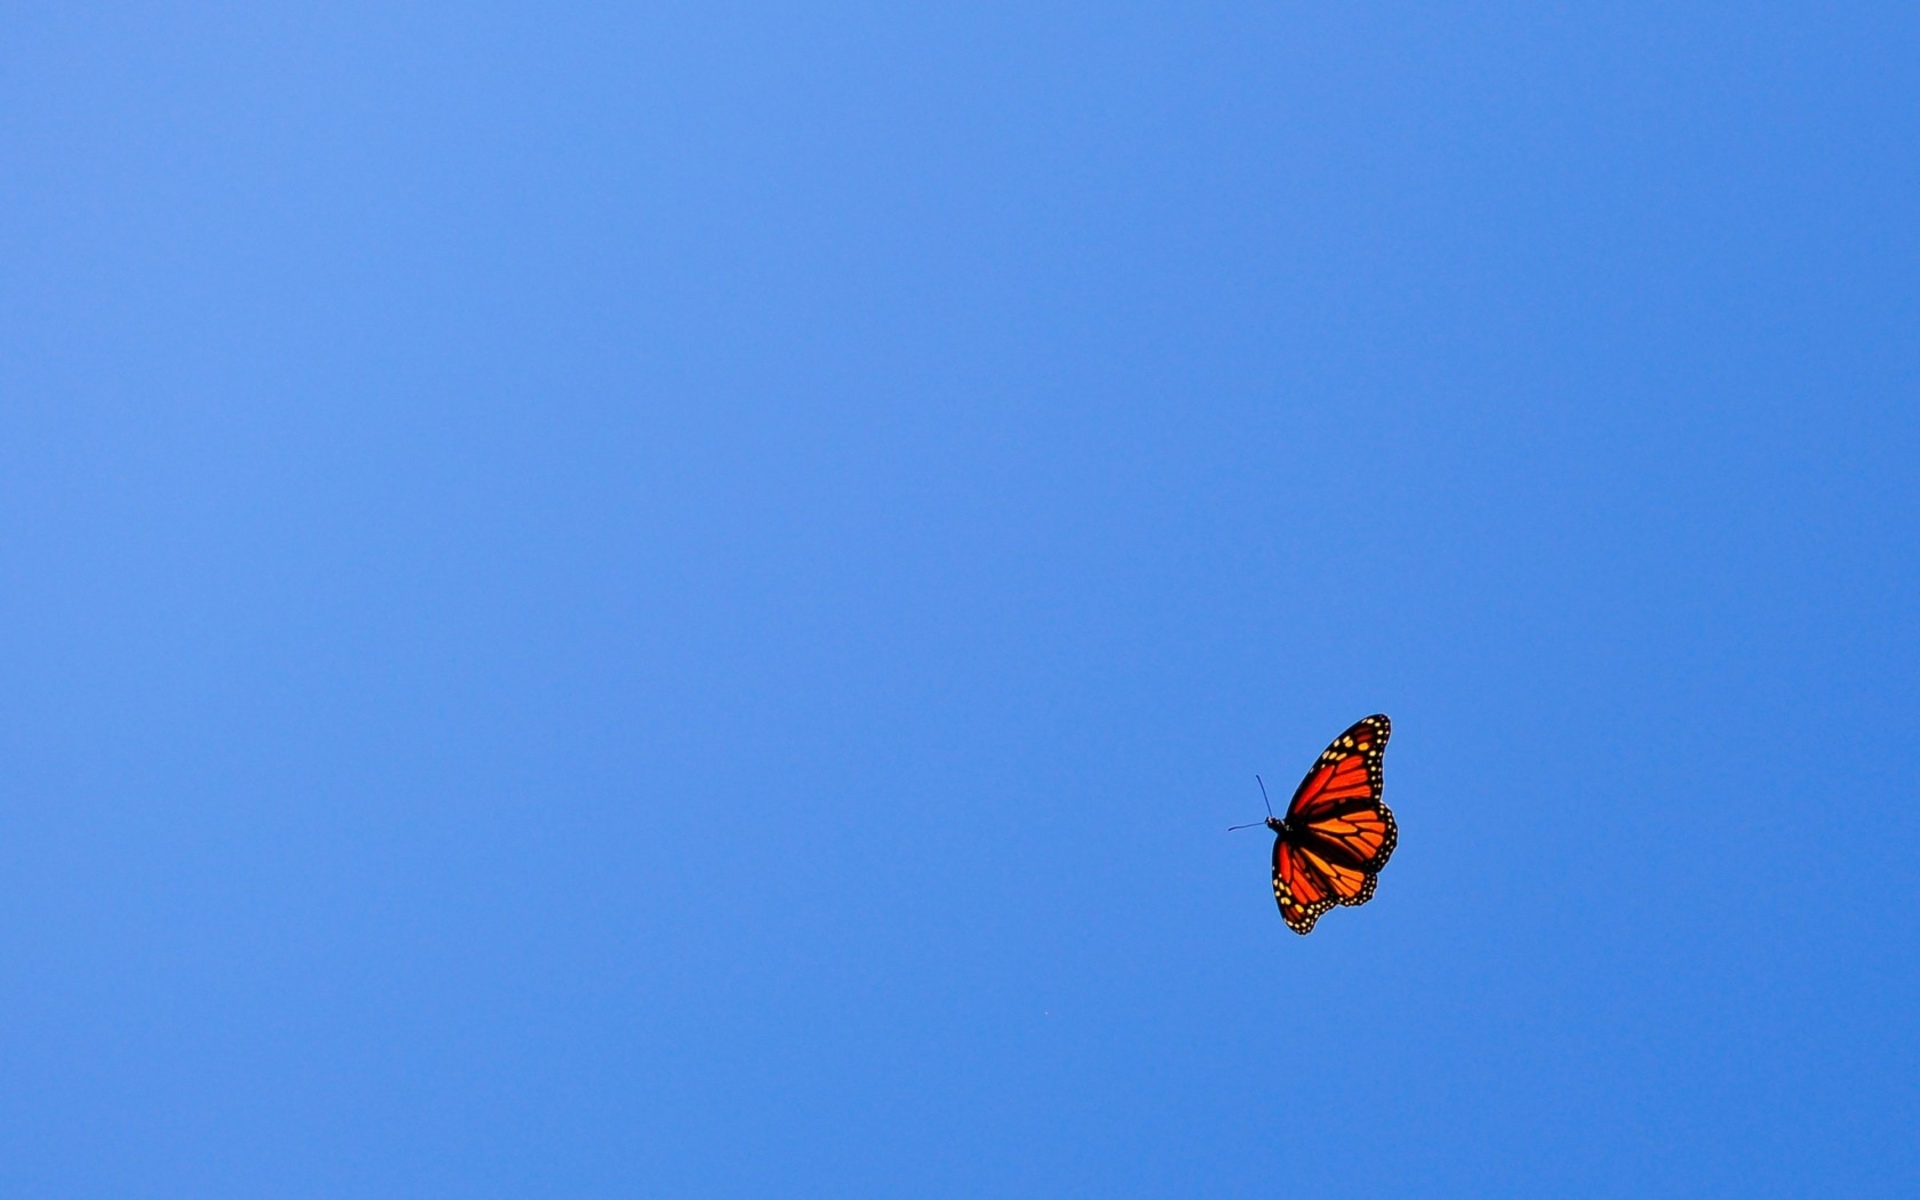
(1348,769)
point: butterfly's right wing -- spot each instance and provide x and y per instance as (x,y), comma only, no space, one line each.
(1348,770)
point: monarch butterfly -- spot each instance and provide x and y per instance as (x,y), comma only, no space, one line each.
(1336,836)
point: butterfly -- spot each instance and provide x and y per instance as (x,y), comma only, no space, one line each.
(1336,836)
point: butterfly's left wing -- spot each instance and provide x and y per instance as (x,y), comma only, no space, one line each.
(1301,889)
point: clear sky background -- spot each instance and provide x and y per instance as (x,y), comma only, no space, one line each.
(675,600)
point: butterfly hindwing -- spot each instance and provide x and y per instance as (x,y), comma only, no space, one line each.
(1363,835)
(1302,893)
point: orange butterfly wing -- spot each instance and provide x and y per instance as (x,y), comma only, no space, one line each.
(1338,833)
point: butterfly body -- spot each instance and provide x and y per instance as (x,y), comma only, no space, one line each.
(1337,833)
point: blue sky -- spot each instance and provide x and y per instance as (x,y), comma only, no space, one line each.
(675,600)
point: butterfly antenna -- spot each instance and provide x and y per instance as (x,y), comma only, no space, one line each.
(1263,800)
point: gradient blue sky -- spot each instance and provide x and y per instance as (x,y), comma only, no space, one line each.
(675,600)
